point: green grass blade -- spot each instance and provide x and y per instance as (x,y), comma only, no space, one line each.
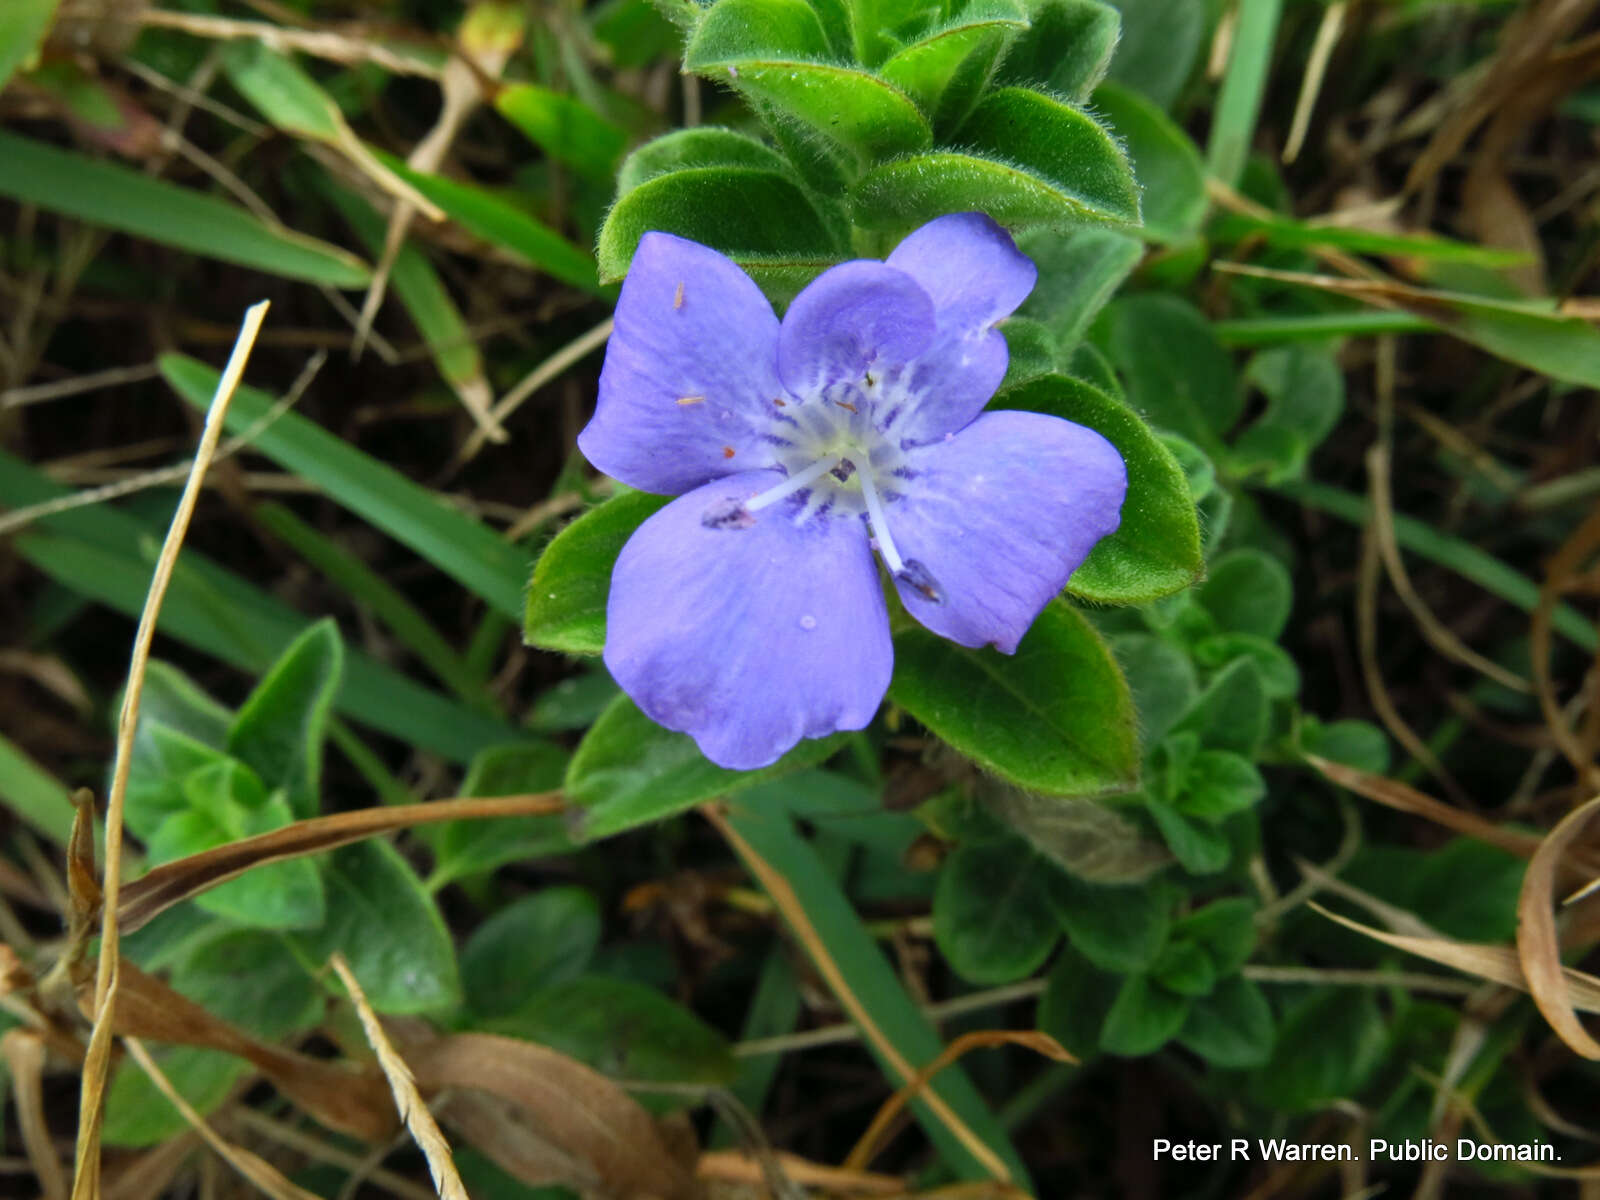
(1463,558)
(772,836)
(506,226)
(365,586)
(95,552)
(129,201)
(468,552)
(1275,331)
(1287,233)
(1233,124)
(34,795)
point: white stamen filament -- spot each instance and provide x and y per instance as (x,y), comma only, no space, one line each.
(792,484)
(879,521)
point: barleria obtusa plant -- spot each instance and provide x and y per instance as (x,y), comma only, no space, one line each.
(936,625)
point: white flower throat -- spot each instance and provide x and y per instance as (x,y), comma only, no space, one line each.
(840,462)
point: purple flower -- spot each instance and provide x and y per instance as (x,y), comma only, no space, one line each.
(748,613)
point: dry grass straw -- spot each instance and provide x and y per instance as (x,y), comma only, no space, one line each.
(408,1101)
(97,1061)
(783,895)
(257,1170)
(1539,943)
(872,1140)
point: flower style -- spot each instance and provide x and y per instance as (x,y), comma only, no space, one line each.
(748,613)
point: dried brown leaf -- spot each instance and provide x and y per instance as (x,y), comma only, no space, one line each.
(1497,964)
(162,887)
(339,1096)
(24,1053)
(1538,945)
(737,1166)
(571,1106)
(501,1131)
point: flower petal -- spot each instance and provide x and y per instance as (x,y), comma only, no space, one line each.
(976,276)
(970,268)
(690,373)
(851,317)
(998,517)
(748,639)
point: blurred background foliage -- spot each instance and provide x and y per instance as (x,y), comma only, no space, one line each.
(1325,272)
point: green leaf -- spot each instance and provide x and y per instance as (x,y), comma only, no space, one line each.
(630,771)
(226,801)
(567,595)
(773,52)
(251,979)
(1156,549)
(1247,591)
(1055,716)
(944,71)
(1179,377)
(1203,849)
(627,1030)
(1184,968)
(504,225)
(758,217)
(1224,929)
(281,726)
(1160,42)
(1143,1018)
(1031,161)
(138,1115)
(163,755)
(1077,998)
(463,848)
(1327,1047)
(1305,396)
(574,703)
(565,128)
(1162,679)
(1358,744)
(702,146)
(1232,1027)
(471,553)
(1233,712)
(389,930)
(1078,272)
(1117,928)
(991,917)
(23,24)
(1280,678)
(1066,49)
(132,202)
(541,939)
(1166,163)
(1032,348)
(1218,785)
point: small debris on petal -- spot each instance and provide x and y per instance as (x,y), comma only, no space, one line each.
(780,403)
(685,401)
(916,576)
(677,296)
(727,452)
(847,404)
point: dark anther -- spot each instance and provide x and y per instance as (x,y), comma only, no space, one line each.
(728,514)
(915,575)
(844,470)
